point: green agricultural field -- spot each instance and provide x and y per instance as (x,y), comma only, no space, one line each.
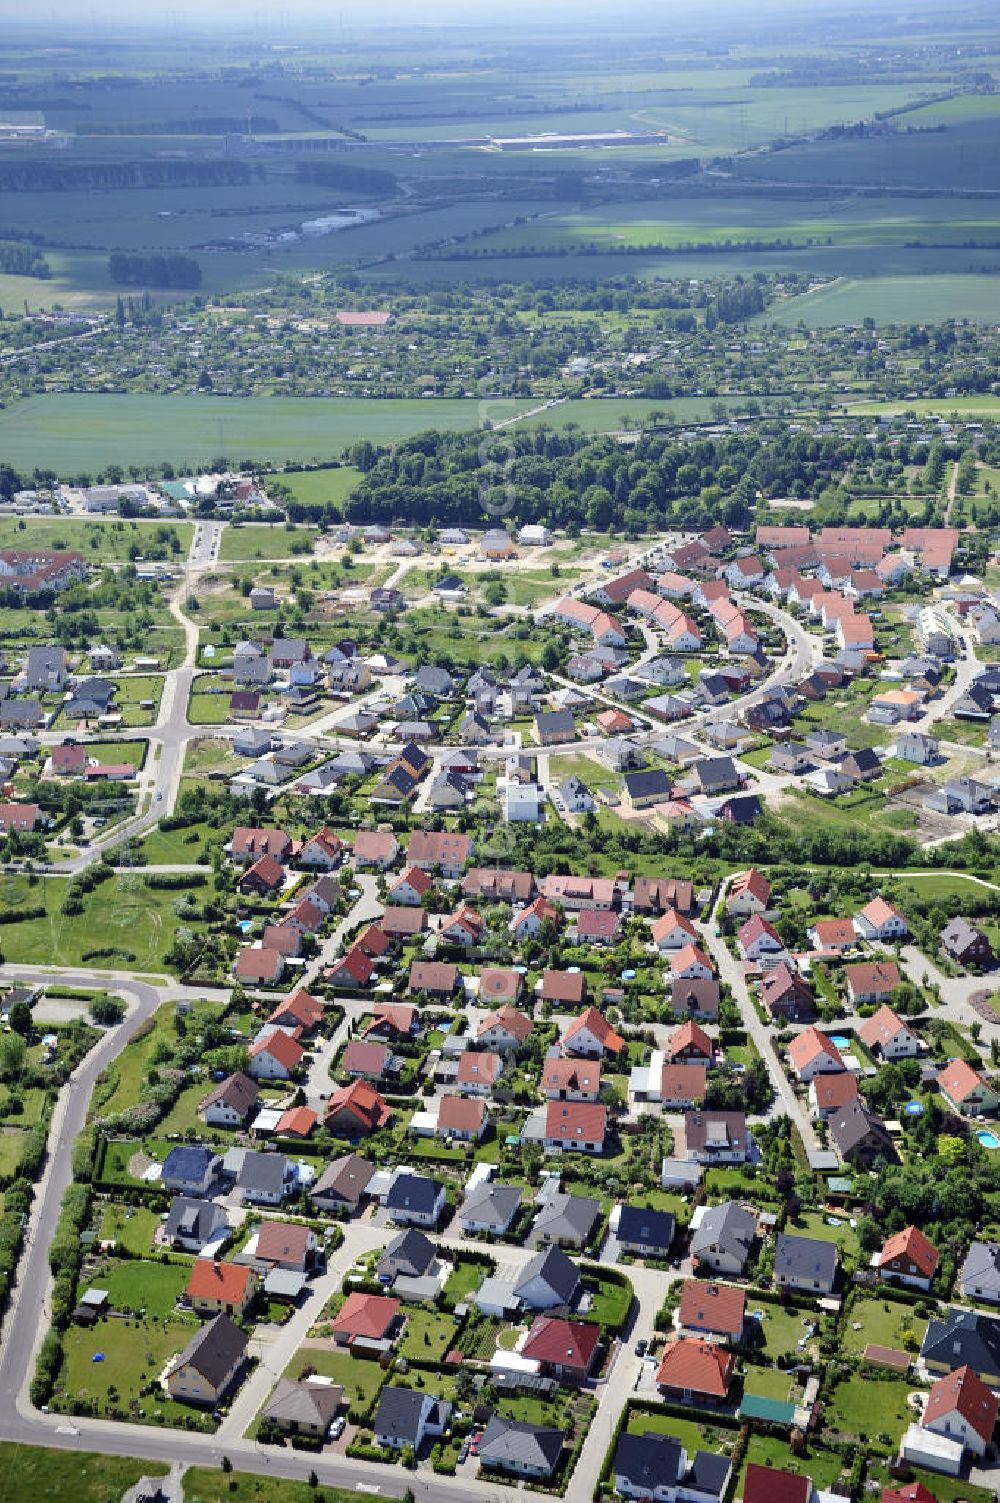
(41,1472)
(890,300)
(78,433)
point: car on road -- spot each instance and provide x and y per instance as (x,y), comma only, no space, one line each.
(640,1347)
(337,1428)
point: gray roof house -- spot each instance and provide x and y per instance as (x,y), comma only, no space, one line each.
(964,1338)
(415,1199)
(190,1224)
(723,1238)
(806,1264)
(343,1183)
(302,1407)
(528,1450)
(651,1465)
(716,775)
(405,1417)
(264,1178)
(980,1273)
(490,1208)
(410,1254)
(643,1232)
(567,1220)
(548,1279)
(45,668)
(206,1369)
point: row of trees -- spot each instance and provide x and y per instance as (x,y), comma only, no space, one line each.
(128,269)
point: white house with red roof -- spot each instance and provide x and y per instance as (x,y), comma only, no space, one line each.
(274,1056)
(967,1090)
(410,887)
(575,1127)
(563,1348)
(908,1257)
(760,941)
(591,1036)
(885,1034)
(672,931)
(962,1408)
(749,893)
(322,851)
(529,921)
(812,1053)
(690,964)
(882,920)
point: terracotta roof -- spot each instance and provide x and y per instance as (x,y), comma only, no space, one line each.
(369,1315)
(539,908)
(281,1046)
(563,986)
(958,1080)
(683,1082)
(398,1015)
(883,1026)
(718,1308)
(755,928)
(690,955)
(478,1067)
(306,1009)
(874,977)
(213,1279)
(566,1343)
(415,877)
(910,1492)
(267,870)
(363,1058)
(700,1366)
(507,1017)
(297,1122)
(689,1036)
(575,1121)
(964,1391)
(879,911)
(753,882)
(669,921)
(571,1075)
(360,1101)
(597,1024)
(831,934)
(911,1244)
(834,1091)
(810,1045)
(461,1114)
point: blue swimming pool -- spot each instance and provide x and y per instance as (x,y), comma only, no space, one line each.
(245,925)
(914,1108)
(988,1139)
(841,1040)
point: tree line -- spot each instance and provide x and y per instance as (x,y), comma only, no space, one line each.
(74,177)
(352,179)
(18,259)
(172,270)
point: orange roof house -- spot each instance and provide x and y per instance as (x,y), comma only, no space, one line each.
(696,1371)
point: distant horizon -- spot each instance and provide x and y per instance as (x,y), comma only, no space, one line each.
(378,15)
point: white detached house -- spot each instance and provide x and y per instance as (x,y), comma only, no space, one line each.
(880,919)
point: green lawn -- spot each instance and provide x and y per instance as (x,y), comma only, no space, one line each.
(814,1224)
(768,1383)
(132,1355)
(880,1323)
(118,1086)
(464,1279)
(869,1407)
(38,1472)
(131,1227)
(692,1435)
(359,1378)
(783,1329)
(181,847)
(262,540)
(429,1334)
(145,1287)
(318,486)
(211,1485)
(120,915)
(824,1467)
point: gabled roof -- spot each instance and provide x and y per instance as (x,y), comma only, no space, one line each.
(237,1091)
(767,1484)
(699,1366)
(514,1445)
(461,1114)
(878,912)
(212,1279)
(575,1122)
(280,1046)
(959,1080)
(804,1257)
(911,1244)
(281,1241)
(567,1343)
(811,1045)
(639,1226)
(346,1177)
(508,1018)
(555,1269)
(213,1351)
(964,1392)
(963,1337)
(717,1308)
(366,1315)
(596,1024)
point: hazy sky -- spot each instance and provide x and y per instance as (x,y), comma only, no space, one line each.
(361,14)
